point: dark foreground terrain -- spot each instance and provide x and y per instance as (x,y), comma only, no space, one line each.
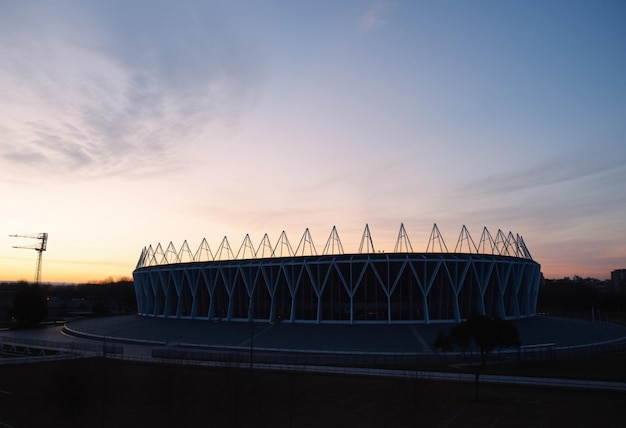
(97,392)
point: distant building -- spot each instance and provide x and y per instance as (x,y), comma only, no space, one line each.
(618,279)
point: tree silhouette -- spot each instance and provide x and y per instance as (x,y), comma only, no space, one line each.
(482,333)
(29,306)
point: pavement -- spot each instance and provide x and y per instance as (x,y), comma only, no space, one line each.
(356,338)
(142,334)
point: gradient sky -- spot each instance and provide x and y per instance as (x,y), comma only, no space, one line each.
(130,123)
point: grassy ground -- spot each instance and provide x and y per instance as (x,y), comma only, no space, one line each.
(113,393)
(607,367)
(603,367)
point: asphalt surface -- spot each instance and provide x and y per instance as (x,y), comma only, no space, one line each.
(357,338)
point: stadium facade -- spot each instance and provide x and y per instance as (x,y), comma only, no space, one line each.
(497,277)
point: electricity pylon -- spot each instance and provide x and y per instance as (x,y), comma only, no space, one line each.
(40,247)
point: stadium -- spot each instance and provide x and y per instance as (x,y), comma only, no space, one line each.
(271,284)
(269,304)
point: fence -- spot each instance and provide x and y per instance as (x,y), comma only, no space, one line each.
(535,353)
(25,349)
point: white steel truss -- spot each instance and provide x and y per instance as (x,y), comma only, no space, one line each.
(497,277)
(505,245)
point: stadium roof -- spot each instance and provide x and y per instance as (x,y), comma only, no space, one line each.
(503,244)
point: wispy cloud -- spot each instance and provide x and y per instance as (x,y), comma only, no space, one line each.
(374,16)
(578,165)
(132,93)
(562,197)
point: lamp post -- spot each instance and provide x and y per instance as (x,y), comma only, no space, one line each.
(251,320)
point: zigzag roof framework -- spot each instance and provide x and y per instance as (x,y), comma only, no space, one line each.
(269,283)
(503,245)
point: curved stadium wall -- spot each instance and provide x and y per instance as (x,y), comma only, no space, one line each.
(398,287)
